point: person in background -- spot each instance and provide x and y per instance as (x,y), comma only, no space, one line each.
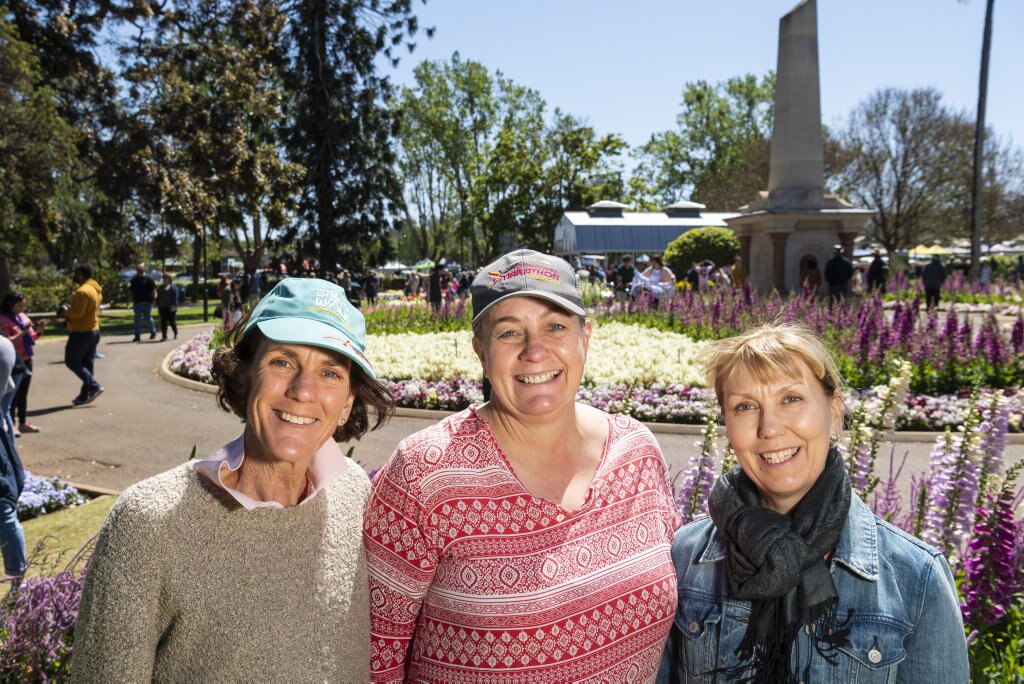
(19,329)
(1018,270)
(167,305)
(793,578)
(83,320)
(933,275)
(531,532)
(249,564)
(222,285)
(411,285)
(985,276)
(838,272)
(256,286)
(657,277)
(143,296)
(704,270)
(435,286)
(371,284)
(737,275)
(875,278)
(231,304)
(12,476)
(624,278)
(811,277)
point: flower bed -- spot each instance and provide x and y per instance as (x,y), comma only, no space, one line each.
(661,383)
(46,495)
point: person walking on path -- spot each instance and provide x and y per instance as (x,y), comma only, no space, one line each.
(143,296)
(167,305)
(83,319)
(933,275)
(12,476)
(19,329)
(838,271)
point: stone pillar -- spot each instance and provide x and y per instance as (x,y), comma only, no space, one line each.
(779,261)
(744,258)
(797,171)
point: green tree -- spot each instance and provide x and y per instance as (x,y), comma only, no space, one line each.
(719,153)
(341,131)
(207,90)
(36,155)
(448,123)
(719,245)
(908,157)
(95,200)
(485,168)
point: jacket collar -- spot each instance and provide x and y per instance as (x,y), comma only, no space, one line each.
(857,548)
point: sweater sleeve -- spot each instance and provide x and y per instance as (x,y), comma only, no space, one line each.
(118,626)
(402,555)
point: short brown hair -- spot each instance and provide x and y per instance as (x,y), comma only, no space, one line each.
(769,352)
(232,369)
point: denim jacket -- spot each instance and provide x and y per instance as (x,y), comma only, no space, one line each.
(906,624)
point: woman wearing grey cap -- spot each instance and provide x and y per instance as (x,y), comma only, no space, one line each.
(250,562)
(527,538)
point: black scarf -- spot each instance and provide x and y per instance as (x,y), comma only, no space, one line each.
(778,563)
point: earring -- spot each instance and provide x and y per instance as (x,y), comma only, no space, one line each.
(729,451)
(832,439)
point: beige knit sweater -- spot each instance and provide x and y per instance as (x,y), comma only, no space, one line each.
(186,585)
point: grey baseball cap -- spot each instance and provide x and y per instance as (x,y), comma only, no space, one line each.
(525,272)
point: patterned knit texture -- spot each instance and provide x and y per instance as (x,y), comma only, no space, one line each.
(499,586)
(186,585)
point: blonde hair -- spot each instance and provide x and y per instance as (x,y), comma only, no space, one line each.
(770,352)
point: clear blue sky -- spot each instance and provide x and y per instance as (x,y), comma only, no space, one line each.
(622,65)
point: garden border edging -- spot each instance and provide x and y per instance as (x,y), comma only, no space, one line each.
(666,428)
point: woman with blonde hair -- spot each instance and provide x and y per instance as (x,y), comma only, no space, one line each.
(793,578)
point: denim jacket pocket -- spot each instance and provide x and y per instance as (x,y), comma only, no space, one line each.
(873,654)
(697,624)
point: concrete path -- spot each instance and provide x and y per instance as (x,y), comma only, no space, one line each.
(143,424)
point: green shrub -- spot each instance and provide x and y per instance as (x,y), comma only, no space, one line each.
(719,245)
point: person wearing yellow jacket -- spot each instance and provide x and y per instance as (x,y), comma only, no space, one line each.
(83,319)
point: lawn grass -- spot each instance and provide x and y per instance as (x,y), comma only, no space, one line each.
(122,321)
(53,539)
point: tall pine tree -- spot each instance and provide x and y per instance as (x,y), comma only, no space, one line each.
(342,131)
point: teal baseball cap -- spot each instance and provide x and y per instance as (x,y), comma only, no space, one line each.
(313,312)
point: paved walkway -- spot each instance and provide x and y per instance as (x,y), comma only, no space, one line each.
(142,424)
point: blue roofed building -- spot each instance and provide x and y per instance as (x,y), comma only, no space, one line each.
(606,228)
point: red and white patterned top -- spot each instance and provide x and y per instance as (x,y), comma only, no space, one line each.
(499,586)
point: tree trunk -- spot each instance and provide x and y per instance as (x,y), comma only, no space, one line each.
(5,272)
(197,256)
(979,144)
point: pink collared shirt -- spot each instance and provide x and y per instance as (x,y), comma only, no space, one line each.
(327,464)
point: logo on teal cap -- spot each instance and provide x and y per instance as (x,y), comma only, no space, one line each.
(313,312)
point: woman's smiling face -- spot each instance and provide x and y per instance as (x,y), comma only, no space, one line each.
(299,395)
(533,353)
(780,431)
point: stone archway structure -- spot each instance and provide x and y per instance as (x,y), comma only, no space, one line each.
(795,217)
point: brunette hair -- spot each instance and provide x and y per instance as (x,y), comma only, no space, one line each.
(770,352)
(10,299)
(233,365)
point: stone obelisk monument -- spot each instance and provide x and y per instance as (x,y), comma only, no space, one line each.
(795,221)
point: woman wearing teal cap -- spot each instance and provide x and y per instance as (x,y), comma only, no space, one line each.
(251,560)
